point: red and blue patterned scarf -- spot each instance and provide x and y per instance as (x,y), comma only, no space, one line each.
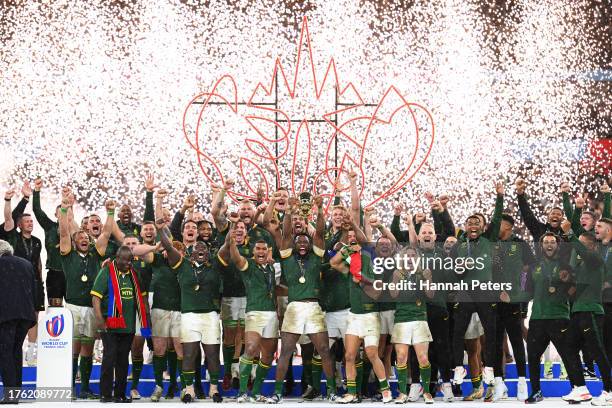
(115,319)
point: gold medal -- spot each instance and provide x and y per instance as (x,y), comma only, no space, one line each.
(418,302)
(84,278)
(302,279)
(552,289)
(196,287)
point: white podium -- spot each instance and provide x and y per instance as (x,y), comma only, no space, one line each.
(54,363)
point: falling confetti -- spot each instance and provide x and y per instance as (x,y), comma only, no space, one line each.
(93,92)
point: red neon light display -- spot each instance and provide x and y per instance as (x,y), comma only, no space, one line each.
(258,150)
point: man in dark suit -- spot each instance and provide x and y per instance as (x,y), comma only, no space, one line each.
(17,315)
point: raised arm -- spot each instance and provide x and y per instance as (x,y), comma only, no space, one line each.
(42,218)
(159,203)
(412,234)
(145,252)
(384,231)
(368,219)
(337,261)
(150,186)
(531,222)
(319,236)
(218,205)
(64,227)
(287,230)
(355,204)
(567,204)
(9,224)
(575,220)
(400,236)
(237,259)
(107,230)
(492,232)
(224,251)
(174,256)
(448,227)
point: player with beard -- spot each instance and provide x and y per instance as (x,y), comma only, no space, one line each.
(261,323)
(550,286)
(144,273)
(363,318)
(81,266)
(301,271)
(433,256)
(55,280)
(28,247)
(535,226)
(473,246)
(200,283)
(512,256)
(233,303)
(603,233)
(165,310)
(587,313)
(583,221)
(384,247)
(179,217)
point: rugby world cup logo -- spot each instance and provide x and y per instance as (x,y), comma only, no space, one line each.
(55,326)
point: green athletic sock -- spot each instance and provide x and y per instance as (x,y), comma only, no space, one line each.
(359,380)
(187,378)
(136,370)
(351,386)
(75,368)
(159,364)
(367,367)
(331,385)
(260,376)
(476,381)
(383,384)
(317,367)
(306,373)
(172,361)
(402,378)
(179,367)
(425,376)
(85,370)
(245,372)
(228,356)
(278,387)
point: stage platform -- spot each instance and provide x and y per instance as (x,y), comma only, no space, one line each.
(551,388)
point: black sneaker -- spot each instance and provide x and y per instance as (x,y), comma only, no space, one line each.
(87,394)
(589,374)
(310,394)
(199,391)
(123,399)
(172,389)
(534,398)
(217,398)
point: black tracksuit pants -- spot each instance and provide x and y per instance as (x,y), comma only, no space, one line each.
(509,321)
(557,331)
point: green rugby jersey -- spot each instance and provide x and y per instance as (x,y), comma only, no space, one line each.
(164,285)
(80,271)
(294,267)
(361,303)
(260,283)
(200,286)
